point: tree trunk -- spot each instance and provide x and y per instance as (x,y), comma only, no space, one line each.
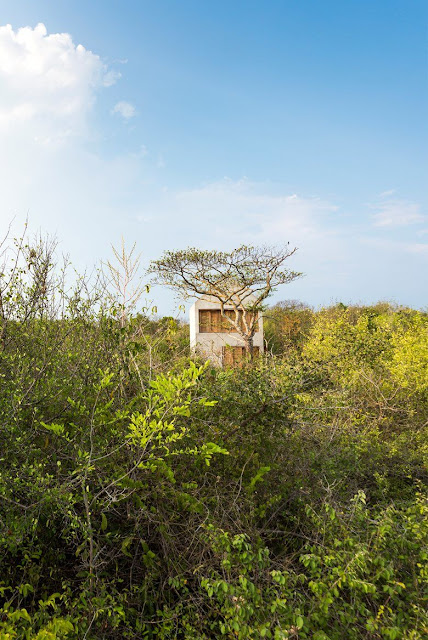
(249,347)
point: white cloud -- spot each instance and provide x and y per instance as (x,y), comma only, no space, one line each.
(253,212)
(48,86)
(47,83)
(125,109)
(418,247)
(395,212)
(396,247)
(339,253)
(227,213)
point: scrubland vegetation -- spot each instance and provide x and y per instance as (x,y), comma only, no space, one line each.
(143,495)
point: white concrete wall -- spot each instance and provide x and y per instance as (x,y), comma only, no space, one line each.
(210,345)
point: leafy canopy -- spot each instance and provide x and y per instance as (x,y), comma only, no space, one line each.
(245,276)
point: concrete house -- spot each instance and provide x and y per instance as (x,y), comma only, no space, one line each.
(213,337)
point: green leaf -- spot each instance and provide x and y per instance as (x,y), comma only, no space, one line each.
(299,622)
(125,544)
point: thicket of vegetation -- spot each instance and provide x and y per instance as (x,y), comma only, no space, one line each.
(146,496)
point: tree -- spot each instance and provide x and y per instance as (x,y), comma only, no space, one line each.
(124,280)
(242,279)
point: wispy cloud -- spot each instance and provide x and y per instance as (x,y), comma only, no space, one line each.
(395,212)
(124,109)
(227,213)
(342,256)
(418,247)
(396,248)
(252,211)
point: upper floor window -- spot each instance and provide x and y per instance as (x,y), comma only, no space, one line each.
(211,321)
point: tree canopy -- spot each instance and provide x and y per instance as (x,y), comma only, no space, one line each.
(242,278)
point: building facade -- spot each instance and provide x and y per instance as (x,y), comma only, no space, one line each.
(213,337)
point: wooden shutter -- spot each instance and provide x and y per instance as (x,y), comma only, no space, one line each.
(235,356)
(232,355)
(226,326)
(204,321)
(216,321)
(211,321)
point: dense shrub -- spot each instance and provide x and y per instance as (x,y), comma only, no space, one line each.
(145,496)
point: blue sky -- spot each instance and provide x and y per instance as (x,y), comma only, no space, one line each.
(215,123)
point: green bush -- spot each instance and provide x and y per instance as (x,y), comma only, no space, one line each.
(145,496)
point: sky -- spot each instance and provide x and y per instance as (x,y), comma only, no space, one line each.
(214,124)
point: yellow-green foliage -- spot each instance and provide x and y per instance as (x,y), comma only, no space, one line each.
(409,360)
(145,496)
